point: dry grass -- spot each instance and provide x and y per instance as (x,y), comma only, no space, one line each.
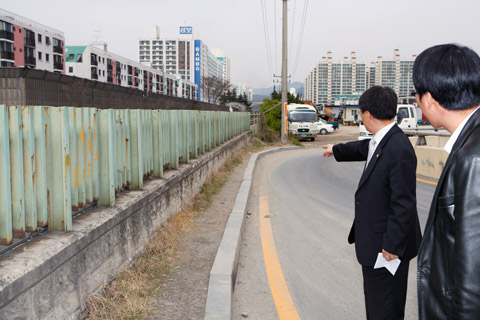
(129,295)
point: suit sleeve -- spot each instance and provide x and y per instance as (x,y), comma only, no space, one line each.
(351,151)
(466,268)
(403,203)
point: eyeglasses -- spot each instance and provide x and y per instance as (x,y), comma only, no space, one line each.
(413,93)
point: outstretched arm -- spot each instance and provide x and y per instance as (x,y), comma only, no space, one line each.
(350,151)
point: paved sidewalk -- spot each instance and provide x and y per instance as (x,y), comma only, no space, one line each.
(184,293)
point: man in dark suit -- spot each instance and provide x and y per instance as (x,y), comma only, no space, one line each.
(386,219)
(447,80)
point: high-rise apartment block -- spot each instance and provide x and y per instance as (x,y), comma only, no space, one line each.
(185,57)
(244,89)
(329,80)
(26,43)
(224,61)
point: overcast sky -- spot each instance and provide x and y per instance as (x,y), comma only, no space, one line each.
(371,28)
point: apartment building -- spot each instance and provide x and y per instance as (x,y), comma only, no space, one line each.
(26,43)
(328,80)
(95,62)
(186,57)
(244,89)
(224,61)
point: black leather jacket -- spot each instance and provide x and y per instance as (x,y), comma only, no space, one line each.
(449,255)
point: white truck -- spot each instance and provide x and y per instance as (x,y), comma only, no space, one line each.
(406,118)
(302,121)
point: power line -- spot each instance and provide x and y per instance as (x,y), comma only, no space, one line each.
(275,24)
(293,28)
(265,32)
(304,18)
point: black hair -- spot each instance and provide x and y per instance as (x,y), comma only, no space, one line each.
(451,73)
(380,101)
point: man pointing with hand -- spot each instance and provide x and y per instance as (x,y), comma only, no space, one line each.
(386,219)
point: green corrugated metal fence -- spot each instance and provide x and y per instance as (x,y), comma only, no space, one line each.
(56,160)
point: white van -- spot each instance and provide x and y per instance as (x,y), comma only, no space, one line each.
(302,121)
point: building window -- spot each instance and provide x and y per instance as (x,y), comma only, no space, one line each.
(47,57)
(39,55)
(47,40)
(70,69)
(39,37)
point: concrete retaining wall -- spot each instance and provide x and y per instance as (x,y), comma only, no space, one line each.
(50,276)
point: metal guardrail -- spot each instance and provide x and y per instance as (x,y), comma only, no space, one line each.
(56,160)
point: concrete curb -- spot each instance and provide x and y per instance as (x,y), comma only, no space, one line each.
(224,269)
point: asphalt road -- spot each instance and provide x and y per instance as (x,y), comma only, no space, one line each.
(310,201)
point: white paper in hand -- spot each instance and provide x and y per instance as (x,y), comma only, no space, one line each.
(391,266)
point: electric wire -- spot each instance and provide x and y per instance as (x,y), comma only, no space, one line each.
(275,39)
(304,18)
(293,28)
(266,34)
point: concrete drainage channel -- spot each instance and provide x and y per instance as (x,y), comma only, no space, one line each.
(224,269)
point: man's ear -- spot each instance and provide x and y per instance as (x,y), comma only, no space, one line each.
(428,100)
(434,105)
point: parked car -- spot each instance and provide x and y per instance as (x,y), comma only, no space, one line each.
(334,124)
(363,133)
(323,127)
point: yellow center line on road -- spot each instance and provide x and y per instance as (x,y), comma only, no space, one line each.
(281,296)
(426,181)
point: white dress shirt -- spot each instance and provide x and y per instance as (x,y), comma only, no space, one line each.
(453,138)
(381,133)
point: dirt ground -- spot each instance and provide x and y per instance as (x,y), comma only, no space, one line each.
(184,292)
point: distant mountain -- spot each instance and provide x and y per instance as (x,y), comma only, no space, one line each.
(259,94)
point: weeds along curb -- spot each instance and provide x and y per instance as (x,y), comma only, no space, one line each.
(224,269)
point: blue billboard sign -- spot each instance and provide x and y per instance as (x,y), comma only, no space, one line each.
(185,30)
(198,65)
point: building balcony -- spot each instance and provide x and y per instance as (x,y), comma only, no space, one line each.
(6,35)
(94,76)
(58,49)
(30,61)
(110,79)
(7,55)
(30,42)
(93,62)
(58,66)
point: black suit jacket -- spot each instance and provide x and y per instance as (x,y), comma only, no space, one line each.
(385,200)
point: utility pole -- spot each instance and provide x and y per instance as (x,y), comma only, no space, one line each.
(284,74)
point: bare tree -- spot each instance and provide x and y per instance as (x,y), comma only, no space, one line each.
(214,87)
